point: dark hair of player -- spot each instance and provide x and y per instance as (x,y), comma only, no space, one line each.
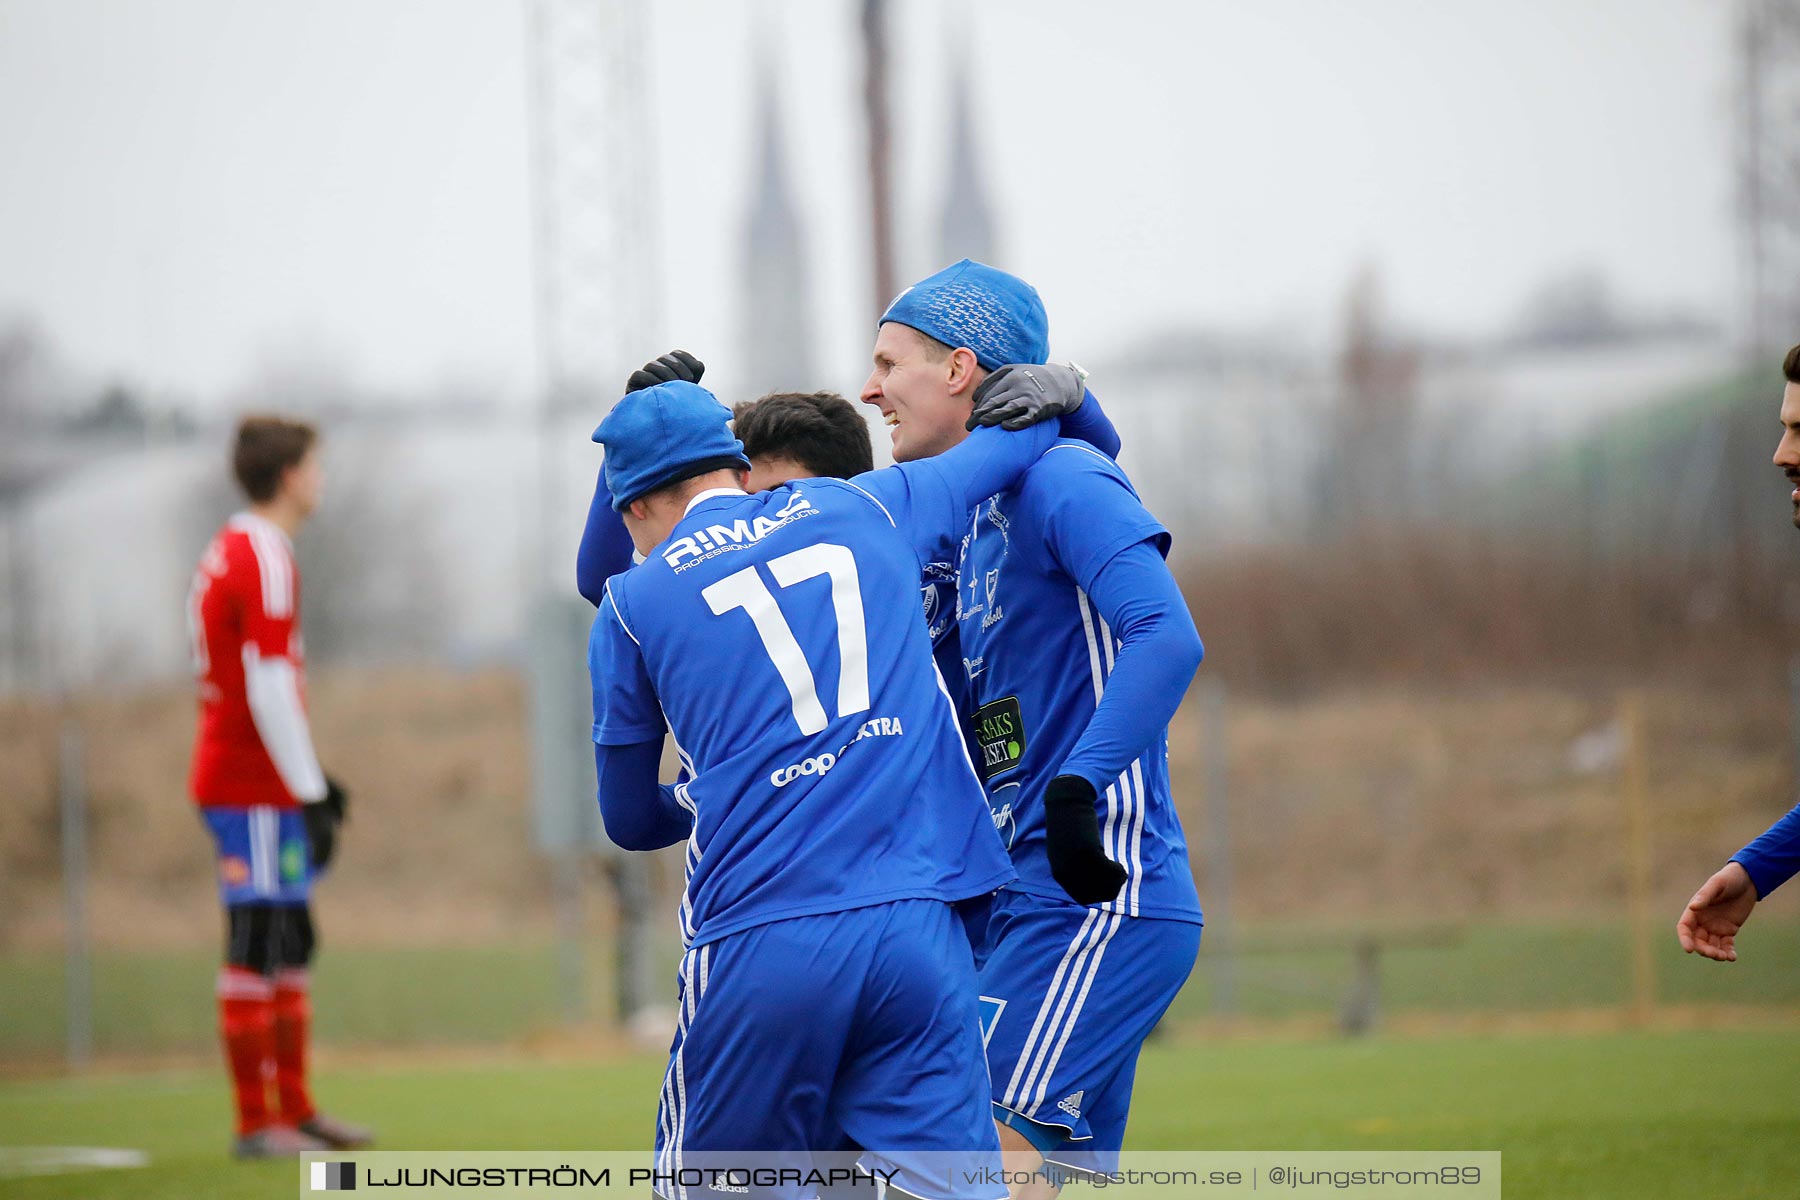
(821,431)
(1791,368)
(267,446)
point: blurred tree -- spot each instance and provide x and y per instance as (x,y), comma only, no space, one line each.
(965,225)
(1369,465)
(117,410)
(1768,170)
(1575,308)
(33,382)
(303,378)
(774,284)
(876,119)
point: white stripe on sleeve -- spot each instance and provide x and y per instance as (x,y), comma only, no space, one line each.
(273,691)
(274,563)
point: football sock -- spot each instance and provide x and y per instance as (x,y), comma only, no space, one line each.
(293,1016)
(247,1028)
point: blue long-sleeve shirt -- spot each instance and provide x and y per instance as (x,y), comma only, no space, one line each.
(923,500)
(1774,858)
(1089,423)
(1158,652)
(1077,649)
(606,544)
(639,812)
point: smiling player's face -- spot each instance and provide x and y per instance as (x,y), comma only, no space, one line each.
(1787,453)
(925,401)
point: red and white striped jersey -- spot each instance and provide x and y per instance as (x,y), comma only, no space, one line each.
(253,746)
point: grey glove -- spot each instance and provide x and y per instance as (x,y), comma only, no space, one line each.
(1022,394)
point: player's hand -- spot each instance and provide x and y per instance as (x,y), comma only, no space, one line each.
(321,832)
(337,799)
(1020,395)
(1710,922)
(676,364)
(1078,860)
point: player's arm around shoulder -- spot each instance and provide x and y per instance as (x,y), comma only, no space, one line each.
(928,499)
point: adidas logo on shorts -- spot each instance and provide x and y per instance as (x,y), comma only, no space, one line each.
(1071,1104)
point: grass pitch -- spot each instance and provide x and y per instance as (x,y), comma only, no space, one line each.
(1638,1115)
(160,1002)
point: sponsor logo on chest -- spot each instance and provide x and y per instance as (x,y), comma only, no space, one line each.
(1000,734)
(720,538)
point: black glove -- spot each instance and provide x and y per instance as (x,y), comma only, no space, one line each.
(1018,395)
(1072,839)
(337,799)
(321,832)
(676,364)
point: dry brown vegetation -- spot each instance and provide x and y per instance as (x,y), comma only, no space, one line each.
(1346,803)
(1427,610)
(1401,723)
(439,842)
(1406,710)
(1467,803)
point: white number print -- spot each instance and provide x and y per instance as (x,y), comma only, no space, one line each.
(196,627)
(212,565)
(746,590)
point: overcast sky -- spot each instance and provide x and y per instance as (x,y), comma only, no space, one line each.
(193,187)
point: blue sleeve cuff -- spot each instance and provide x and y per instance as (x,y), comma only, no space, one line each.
(1774,857)
(639,813)
(1765,876)
(1763,880)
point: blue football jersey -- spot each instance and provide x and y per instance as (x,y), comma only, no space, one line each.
(938,584)
(779,635)
(1038,656)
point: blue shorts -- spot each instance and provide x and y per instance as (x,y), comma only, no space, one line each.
(1068,995)
(800,1037)
(263,855)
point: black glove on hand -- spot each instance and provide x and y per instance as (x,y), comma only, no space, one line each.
(1020,395)
(676,364)
(1072,839)
(337,799)
(321,831)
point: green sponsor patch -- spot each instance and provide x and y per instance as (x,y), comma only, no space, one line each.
(293,862)
(1000,735)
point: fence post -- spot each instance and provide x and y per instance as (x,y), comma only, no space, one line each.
(1362,1008)
(1637,858)
(635,986)
(1223,934)
(1794,717)
(78,979)
(565,816)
